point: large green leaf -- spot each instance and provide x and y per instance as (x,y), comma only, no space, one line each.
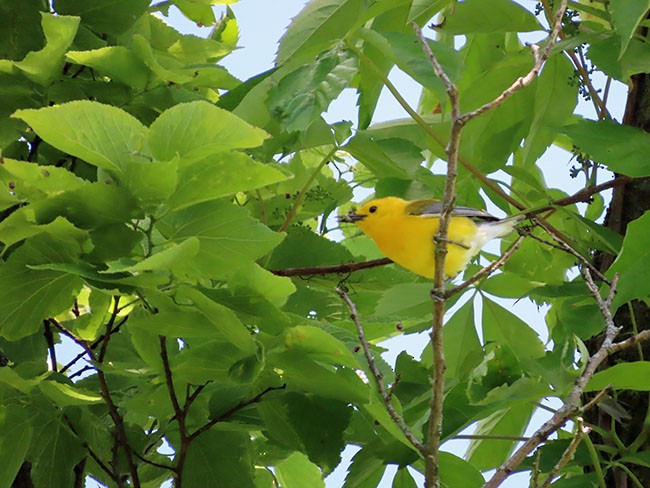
(219,459)
(219,175)
(302,95)
(455,472)
(15,435)
(621,147)
(622,376)
(473,16)
(504,327)
(463,350)
(633,263)
(320,24)
(293,420)
(488,454)
(116,62)
(42,66)
(228,237)
(104,16)
(626,17)
(297,471)
(555,100)
(319,346)
(101,135)
(20,28)
(53,445)
(195,130)
(27,296)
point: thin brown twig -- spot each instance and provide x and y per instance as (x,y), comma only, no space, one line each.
(227,414)
(487,269)
(115,415)
(595,400)
(378,376)
(569,452)
(570,406)
(345,268)
(563,246)
(527,79)
(49,338)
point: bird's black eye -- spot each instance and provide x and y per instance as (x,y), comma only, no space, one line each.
(372,209)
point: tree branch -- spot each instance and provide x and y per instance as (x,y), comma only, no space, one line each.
(487,269)
(570,406)
(527,79)
(229,413)
(379,377)
(434,432)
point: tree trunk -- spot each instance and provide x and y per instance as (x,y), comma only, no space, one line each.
(629,202)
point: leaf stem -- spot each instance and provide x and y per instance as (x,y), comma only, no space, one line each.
(303,191)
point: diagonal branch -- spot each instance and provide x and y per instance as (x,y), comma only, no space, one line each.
(570,406)
(528,78)
(487,269)
(230,412)
(379,377)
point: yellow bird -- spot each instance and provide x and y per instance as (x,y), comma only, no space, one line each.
(405,232)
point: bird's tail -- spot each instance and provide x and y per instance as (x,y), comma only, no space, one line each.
(498,228)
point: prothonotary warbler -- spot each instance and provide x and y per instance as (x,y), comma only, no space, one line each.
(405,232)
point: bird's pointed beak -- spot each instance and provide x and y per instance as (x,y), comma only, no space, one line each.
(351,217)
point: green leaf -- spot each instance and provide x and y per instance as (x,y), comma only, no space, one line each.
(20,30)
(253,278)
(221,175)
(319,345)
(294,420)
(228,237)
(53,445)
(220,459)
(297,471)
(104,16)
(458,473)
(404,479)
(621,147)
(15,436)
(472,16)
(305,93)
(101,135)
(222,317)
(633,263)
(44,65)
(463,351)
(622,376)
(626,17)
(168,258)
(116,62)
(67,395)
(27,296)
(196,130)
(320,250)
(366,470)
(202,14)
(34,182)
(303,374)
(320,24)
(382,156)
(185,323)
(487,454)
(604,53)
(504,327)
(555,99)
(151,182)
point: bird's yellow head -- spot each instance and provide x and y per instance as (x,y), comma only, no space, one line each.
(376,214)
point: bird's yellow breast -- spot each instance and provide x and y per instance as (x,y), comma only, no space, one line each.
(409,241)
